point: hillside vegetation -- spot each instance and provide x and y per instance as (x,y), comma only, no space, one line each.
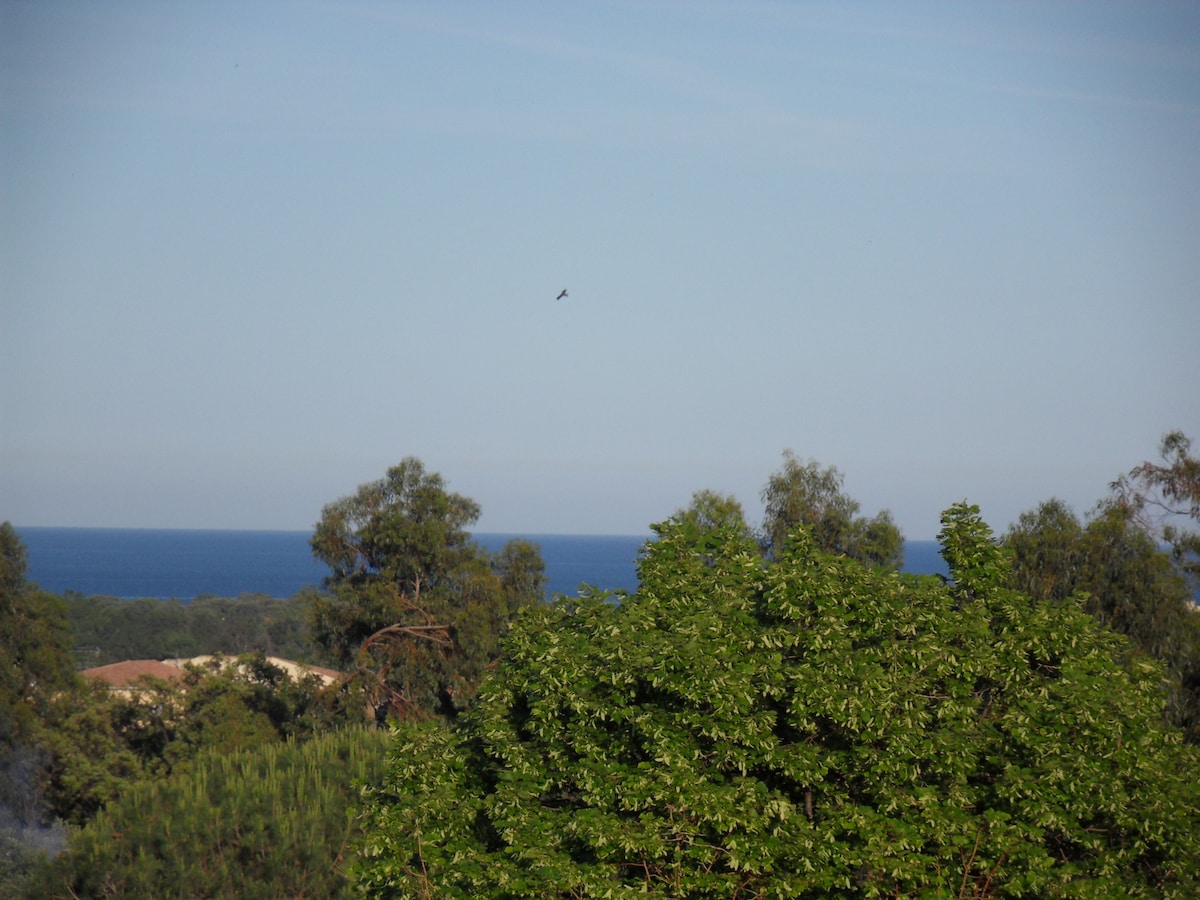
(776,711)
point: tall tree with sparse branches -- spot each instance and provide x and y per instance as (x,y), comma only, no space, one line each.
(1164,498)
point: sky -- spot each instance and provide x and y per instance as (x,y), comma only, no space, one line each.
(254,254)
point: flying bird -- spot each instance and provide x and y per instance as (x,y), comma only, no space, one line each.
(563,294)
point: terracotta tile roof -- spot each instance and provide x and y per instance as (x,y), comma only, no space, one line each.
(125,674)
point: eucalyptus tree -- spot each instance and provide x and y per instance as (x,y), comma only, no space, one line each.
(413,609)
(1115,561)
(1164,498)
(1136,560)
(810,495)
(711,510)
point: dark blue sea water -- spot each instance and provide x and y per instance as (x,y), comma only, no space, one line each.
(129,563)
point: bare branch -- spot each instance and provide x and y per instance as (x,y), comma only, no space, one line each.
(438,634)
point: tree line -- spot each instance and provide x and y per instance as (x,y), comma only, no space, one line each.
(108,629)
(776,710)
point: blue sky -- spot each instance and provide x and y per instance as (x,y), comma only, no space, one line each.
(252,254)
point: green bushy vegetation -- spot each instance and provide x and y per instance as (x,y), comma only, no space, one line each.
(90,752)
(811,495)
(99,740)
(271,822)
(1115,560)
(809,727)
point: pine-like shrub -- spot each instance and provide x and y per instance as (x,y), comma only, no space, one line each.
(271,822)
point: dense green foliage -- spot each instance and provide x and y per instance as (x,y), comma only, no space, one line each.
(805,494)
(271,822)
(22,852)
(415,610)
(810,727)
(70,748)
(109,630)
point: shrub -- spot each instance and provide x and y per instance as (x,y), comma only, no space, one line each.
(271,822)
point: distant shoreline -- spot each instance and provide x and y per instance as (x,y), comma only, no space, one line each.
(164,563)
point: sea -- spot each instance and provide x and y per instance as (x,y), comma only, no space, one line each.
(131,563)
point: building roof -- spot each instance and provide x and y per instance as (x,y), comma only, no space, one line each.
(131,671)
(299,670)
(294,669)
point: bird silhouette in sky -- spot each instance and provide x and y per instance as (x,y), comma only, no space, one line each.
(563,294)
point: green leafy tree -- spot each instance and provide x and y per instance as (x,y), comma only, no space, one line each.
(809,495)
(814,728)
(522,573)
(14,564)
(1047,548)
(268,822)
(1115,559)
(226,706)
(414,609)
(92,756)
